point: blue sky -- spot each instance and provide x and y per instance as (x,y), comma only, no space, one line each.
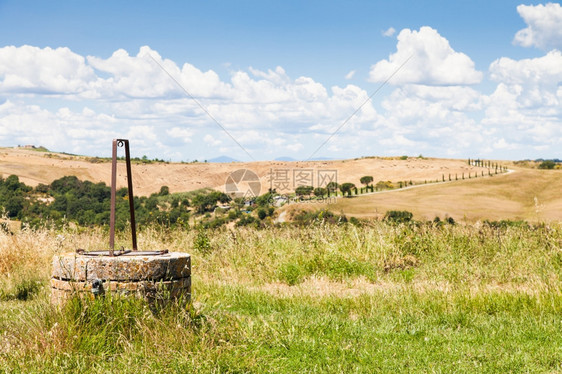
(483,79)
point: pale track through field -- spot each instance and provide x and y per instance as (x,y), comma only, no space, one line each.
(509,171)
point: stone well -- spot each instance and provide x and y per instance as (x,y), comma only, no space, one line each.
(154,275)
(145,274)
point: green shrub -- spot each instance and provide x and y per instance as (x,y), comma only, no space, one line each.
(354,221)
(247,220)
(291,274)
(548,164)
(398,216)
(202,243)
(305,218)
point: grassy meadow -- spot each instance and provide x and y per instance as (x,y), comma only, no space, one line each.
(324,298)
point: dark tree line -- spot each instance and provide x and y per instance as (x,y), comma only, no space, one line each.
(88,204)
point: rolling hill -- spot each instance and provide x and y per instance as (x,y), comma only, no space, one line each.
(523,194)
(526,193)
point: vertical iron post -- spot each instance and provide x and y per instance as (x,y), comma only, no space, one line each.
(131,196)
(121,143)
(113,193)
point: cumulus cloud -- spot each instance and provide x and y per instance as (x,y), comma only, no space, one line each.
(148,75)
(28,69)
(421,118)
(209,139)
(433,61)
(544,26)
(526,105)
(527,87)
(181,134)
(72,103)
(133,95)
(545,70)
(80,132)
(389,32)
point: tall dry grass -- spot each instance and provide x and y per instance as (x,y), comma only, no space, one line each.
(286,299)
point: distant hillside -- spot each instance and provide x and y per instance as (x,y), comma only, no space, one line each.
(525,194)
(455,198)
(222,159)
(284,158)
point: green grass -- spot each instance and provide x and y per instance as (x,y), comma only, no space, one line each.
(334,299)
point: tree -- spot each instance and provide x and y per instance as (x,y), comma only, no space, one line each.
(332,186)
(262,213)
(366,180)
(265,199)
(320,192)
(164,190)
(548,164)
(398,216)
(346,188)
(14,204)
(12,183)
(65,184)
(42,188)
(304,190)
(206,203)
(203,203)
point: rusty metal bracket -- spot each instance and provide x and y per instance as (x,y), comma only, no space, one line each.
(121,143)
(121,252)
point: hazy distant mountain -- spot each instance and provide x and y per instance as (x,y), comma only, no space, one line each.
(287,158)
(284,158)
(321,159)
(222,159)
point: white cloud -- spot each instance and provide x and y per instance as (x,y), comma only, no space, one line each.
(546,70)
(147,75)
(422,119)
(544,26)
(90,100)
(433,61)
(181,134)
(527,88)
(209,139)
(295,147)
(136,98)
(76,132)
(527,104)
(503,144)
(46,71)
(389,32)
(350,74)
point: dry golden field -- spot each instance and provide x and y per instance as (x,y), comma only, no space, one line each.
(35,167)
(525,193)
